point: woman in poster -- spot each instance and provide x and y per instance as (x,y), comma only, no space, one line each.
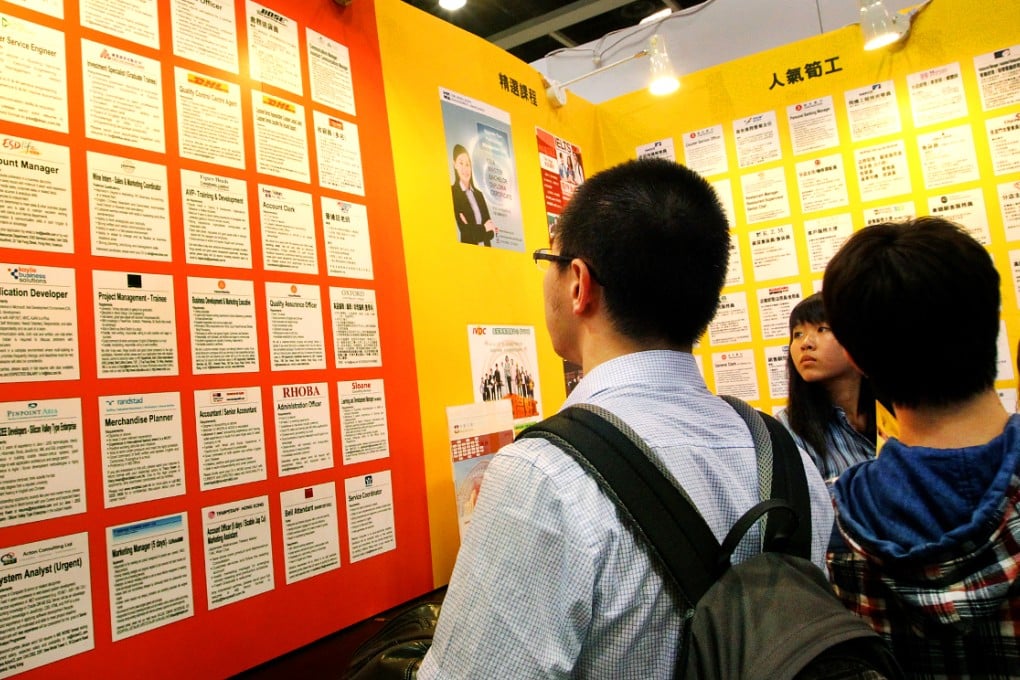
(469,207)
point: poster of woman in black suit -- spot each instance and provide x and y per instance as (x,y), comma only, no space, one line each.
(469,208)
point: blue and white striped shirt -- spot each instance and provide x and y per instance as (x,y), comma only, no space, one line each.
(846,446)
(548,582)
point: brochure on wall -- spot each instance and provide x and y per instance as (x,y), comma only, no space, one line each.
(735,265)
(774,306)
(812,125)
(477,432)
(562,172)
(288,230)
(504,365)
(1009,207)
(129,208)
(873,111)
(735,374)
(776,367)
(273,54)
(329,72)
(765,195)
(123,97)
(724,191)
(948,157)
(882,171)
(355,327)
(310,531)
(231,439)
(135,328)
(348,247)
(41,460)
(216,223)
(937,95)
(209,124)
(998,77)
(966,208)
(370,528)
(238,551)
(1004,142)
(705,150)
(296,337)
(304,435)
(149,565)
(661,148)
(281,142)
(773,253)
(36,179)
(55,8)
(824,236)
(47,596)
(896,212)
(479,134)
(364,434)
(731,323)
(338,154)
(223,338)
(205,32)
(821,183)
(1004,361)
(142,448)
(38,324)
(757,139)
(33,64)
(136,21)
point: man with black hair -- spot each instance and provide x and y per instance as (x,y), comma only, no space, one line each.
(549,583)
(930,549)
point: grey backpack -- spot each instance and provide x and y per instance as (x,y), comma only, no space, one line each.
(772,616)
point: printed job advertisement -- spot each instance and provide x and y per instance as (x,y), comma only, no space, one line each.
(311,533)
(661,148)
(966,208)
(205,32)
(134,20)
(149,565)
(824,236)
(55,8)
(476,432)
(731,323)
(238,551)
(1014,266)
(129,208)
(894,212)
(948,157)
(735,264)
(1004,143)
(765,195)
(38,324)
(1003,363)
(355,327)
(123,96)
(873,111)
(504,365)
(35,191)
(142,447)
(370,527)
(304,433)
(338,154)
(776,367)
(223,338)
(273,54)
(281,142)
(329,72)
(231,439)
(296,338)
(821,183)
(562,168)
(47,594)
(936,95)
(216,226)
(724,192)
(735,373)
(757,139)
(705,150)
(348,249)
(774,305)
(773,253)
(363,428)
(882,171)
(33,74)
(998,76)
(288,230)
(812,125)
(1009,207)
(42,464)
(136,332)
(209,119)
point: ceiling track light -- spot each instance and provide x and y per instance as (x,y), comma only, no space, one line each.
(451,5)
(880,27)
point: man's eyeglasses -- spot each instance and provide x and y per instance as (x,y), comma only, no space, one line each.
(543,256)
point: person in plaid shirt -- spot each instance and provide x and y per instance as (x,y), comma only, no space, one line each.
(928,548)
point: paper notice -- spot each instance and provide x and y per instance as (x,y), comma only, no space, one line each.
(238,551)
(304,434)
(370,527)
(216,227)
(355,327)
(311,537)
(231,439)
(136,332)
(33,74)
(731,323)
(296,337)
(223,337)
(38,324)
(363,429)
(35,190)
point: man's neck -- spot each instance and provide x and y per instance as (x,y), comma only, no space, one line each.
(970,423)
(601,345)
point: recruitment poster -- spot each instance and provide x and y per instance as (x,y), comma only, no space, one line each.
(238,551)
(485,207)
(562,172)
(477,432)
(504,365)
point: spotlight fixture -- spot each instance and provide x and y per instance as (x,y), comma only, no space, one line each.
(878,27)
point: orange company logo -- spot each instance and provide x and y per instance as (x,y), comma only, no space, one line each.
(338,124)
(20,146)
(478,330)
(279,104)
(204,81)
(221,284)
(293,289)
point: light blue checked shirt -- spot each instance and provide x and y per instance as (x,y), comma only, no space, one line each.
(549,584)
(846,446)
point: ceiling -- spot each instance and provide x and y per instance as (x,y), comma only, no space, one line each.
(531,29)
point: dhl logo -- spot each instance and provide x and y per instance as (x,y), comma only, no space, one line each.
(204,81)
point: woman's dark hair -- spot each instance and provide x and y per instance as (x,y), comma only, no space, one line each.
(459,149)
(809,408)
